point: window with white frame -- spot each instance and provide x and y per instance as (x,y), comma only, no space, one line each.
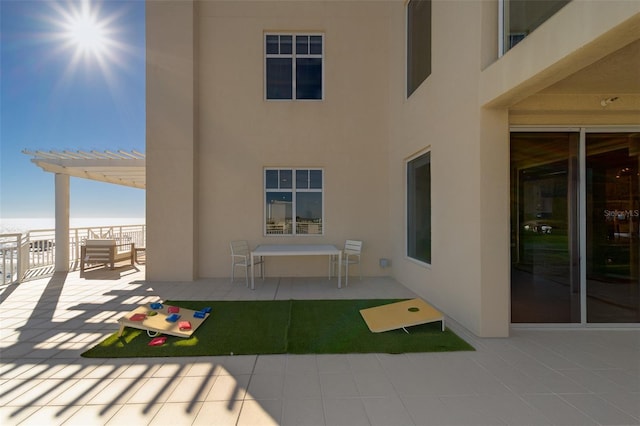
(293,201)
(419,208)
(293,66)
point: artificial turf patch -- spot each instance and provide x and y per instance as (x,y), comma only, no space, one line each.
(282,326)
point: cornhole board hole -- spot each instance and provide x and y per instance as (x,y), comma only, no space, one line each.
(158,324)
(400,315)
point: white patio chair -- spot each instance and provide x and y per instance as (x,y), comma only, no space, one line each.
(351,255)
(241,256)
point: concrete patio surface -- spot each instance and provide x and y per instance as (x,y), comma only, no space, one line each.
(534,377)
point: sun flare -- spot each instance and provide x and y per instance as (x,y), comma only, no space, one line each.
(88,30)
(87,34)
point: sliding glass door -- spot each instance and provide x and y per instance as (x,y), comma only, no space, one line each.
(612,218)
(545,287)
(553,227)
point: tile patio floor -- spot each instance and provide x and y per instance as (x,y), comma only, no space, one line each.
(571,377)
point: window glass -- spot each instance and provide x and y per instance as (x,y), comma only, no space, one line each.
(544,234)
(290,65)
(293,207)
(613,227)
(418,43)
(315,178)
(286,44)
(302,45)
(309,78)
(279,210)
(315,45)
(419,208)
(302,179)
(308,212)
(279,76)
(271,179)
(309,205)
(285,179)
(273,46)
(523,16)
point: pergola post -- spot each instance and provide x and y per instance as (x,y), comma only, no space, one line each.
(62,222)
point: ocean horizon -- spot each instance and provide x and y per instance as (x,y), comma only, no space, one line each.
(22,225)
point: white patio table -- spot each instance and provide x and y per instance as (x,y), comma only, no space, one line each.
(297,250)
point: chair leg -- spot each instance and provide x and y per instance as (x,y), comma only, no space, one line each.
(246,276)
(233,267)
(346,275)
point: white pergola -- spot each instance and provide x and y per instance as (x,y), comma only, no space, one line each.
(125,168)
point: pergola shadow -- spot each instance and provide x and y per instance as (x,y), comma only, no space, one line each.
(43,367)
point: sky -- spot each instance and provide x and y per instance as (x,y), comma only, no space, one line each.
(72,77)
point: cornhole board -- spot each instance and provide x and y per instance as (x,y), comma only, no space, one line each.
(400,315)
(158,323)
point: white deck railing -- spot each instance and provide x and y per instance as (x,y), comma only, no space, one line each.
(20,253)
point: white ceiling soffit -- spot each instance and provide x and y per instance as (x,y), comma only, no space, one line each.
(121,168)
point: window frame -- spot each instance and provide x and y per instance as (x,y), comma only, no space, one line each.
(294,56)
(408,221)
(293,190)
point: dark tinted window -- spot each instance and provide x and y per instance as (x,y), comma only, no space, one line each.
(309,78)
(293,61)
(418,43)
(419,208)
(279,77)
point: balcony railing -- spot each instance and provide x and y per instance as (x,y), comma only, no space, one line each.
(20,253)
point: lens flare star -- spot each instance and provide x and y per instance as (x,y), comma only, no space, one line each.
(87,35)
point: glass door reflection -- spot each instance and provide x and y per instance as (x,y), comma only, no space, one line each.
(545,284)
(613,215)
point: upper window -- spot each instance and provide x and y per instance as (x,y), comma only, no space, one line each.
(418,43)
(293,201)
(293,66)
(419,208)
(521,17)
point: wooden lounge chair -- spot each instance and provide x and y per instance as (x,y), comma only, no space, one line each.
(105,252)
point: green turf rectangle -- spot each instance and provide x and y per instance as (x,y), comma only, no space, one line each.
(287,326)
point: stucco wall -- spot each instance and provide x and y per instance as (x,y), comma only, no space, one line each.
(171,141)
(443,116)
(241,133)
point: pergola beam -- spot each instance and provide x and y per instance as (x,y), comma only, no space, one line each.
(120,168)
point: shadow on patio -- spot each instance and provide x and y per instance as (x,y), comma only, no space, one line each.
(541,377)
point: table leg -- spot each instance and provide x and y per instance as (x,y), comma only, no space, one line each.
(340,269)
(252,273)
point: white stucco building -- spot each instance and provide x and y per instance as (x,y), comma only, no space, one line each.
(446,135)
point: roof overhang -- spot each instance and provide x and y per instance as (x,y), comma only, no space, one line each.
(120,168)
